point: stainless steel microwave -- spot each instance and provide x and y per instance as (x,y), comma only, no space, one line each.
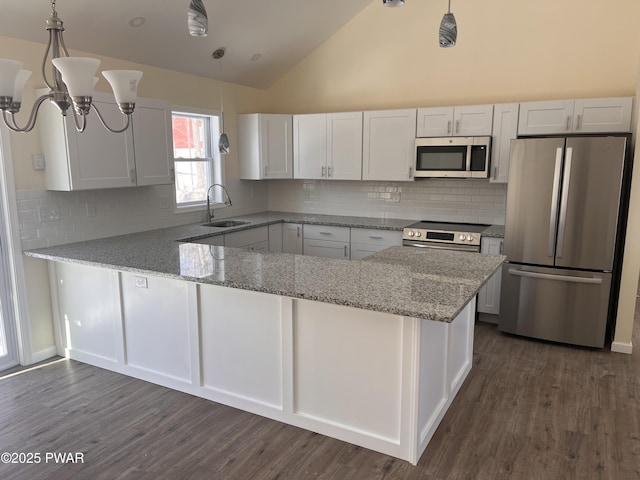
(455,157)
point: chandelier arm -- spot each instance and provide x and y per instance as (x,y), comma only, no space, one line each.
(104,124)
(44,60)
(12,125)
(81,124)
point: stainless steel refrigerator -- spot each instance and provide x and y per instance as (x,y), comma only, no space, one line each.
(561,233)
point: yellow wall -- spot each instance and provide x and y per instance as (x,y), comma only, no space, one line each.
(507,51)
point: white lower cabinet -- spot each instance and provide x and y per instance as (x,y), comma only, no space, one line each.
(367,241)
(489,295)
(275,238)
(327,241)
(292,238)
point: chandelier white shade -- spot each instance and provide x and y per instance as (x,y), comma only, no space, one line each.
(72,83)
(124,84)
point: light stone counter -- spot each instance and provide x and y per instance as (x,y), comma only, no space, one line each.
(415,282)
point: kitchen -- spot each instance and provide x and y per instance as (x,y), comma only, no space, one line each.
(313,86)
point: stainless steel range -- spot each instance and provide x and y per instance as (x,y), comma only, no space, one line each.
(444,235)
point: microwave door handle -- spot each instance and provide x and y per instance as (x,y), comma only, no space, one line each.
(468,170)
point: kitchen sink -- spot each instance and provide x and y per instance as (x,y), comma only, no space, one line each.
(225,223)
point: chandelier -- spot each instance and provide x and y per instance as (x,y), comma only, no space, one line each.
(72,83)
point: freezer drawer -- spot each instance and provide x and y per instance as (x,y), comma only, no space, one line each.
(554,304)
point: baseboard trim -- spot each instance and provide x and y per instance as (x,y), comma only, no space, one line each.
(42,355)
(622,347)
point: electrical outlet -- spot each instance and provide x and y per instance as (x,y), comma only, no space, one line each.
(141,282)
(38,161)
(48,214)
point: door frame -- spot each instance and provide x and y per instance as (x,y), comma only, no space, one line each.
(11,253)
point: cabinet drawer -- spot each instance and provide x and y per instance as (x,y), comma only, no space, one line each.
(325,232)
(246,237)
(362,250)
(374,236)
(326,248)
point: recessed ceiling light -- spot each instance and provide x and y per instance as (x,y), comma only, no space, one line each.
(136,22)
(255,57)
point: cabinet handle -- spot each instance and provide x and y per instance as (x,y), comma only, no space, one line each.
(323,172)
(375,237)
(298,231)
(325,233)
(579,122)
(328,171)
(501,247)
(345,251)
(410,172)
(457,126)
(133,175)
(172,173)
(568,122)
(495,173)
(265,170)
(449,126)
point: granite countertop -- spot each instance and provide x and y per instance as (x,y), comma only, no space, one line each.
(416,282)
(494,231)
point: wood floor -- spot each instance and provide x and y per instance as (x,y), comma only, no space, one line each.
(528,410)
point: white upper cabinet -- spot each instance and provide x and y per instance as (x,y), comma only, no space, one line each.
(594,115)
(462,121)
(310,146)
(328,146)
(505,128)
(152,143)
(98,158)
(265,146)
(389,145)
(344,146)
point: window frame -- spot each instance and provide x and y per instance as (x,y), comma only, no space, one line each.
(216,173)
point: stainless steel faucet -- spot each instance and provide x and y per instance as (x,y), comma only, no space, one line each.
(227,201)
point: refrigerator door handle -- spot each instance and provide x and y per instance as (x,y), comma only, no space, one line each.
(554,203)
(563,205)
(561,278)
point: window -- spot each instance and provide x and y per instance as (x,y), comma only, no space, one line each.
(196,160)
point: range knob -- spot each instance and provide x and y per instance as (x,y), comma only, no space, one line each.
(411,233)
(463,237)
(418,234)
(470,238)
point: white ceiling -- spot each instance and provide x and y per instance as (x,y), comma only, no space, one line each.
(282,32)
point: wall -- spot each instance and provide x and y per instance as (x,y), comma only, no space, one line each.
(474,201)
(506,51)
(117,211)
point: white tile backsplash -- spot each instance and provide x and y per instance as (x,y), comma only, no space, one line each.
(90,214)
(474,201)
(86,215)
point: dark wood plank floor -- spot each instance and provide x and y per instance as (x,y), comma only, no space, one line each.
(528,410)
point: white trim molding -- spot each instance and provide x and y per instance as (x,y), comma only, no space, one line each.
(622,347)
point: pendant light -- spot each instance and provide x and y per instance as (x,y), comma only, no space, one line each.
(448,29)
(223,142)
(393,3)
(197,20)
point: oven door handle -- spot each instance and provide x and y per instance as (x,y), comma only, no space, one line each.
(461,248)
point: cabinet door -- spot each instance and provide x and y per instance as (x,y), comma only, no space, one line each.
(472,120)
(489,294)
(603,115)
(544,118)
(435,122)
(326,248)
(292,238)
(344,146)
(505,128)
(389,145)
(152,139)
(276,146)
(275,237)
(244,238)
(310,146)
(98,158)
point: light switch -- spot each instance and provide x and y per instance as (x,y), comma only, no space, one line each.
(38,161)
